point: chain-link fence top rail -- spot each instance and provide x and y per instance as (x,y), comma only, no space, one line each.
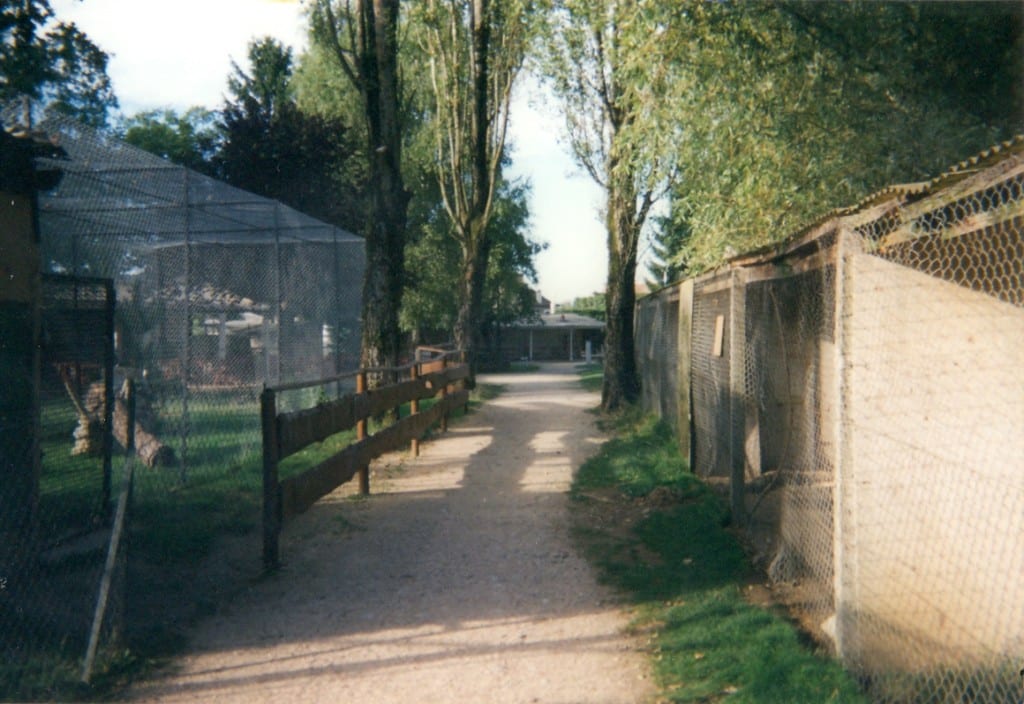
(873,393)
(218,291)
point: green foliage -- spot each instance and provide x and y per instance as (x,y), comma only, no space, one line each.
(778,112)
(271,147)
(431,298)
(668,237)
(591,376)
(53,63)
(190,139)
(474,51)
(592,306)
(641,457)
(594,54)
(686,573)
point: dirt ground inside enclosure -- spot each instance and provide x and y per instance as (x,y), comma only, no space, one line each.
(457,581)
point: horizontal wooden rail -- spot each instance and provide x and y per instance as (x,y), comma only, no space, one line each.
(288,433)
(300,429)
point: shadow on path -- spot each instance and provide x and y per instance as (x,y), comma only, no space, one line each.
(458,579)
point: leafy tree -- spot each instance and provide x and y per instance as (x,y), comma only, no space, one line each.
(431,301)
(475,50)
(597,70)
(190,139)
(592,306)
(669,238)
(273,148)
(781,111)
(52,63)
(361,37)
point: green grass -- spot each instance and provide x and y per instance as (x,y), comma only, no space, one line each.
(178,513)
(591,376)
(686,573)
(523,367)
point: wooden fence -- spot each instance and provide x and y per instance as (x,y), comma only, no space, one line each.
(285,434)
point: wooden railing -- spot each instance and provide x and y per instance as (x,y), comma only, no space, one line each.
(285,434)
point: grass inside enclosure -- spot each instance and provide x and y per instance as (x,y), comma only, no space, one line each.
(661,536)
(178,513)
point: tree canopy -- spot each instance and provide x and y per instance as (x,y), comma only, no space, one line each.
(52,63)
(272,147)
(781,111)
(596,67)
(190,139)
(748,118)
(362,40)
(474,50)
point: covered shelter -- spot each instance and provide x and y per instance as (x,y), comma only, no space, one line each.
(554,337)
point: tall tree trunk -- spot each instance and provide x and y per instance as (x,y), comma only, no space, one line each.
(471,296)
(621,384)
(389,200)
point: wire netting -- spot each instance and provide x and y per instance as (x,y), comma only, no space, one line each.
(933,325)
(52,565)
(710,378)
(880,416)
(657,320)
(218,292)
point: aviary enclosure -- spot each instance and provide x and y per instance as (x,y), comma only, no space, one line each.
(201,293)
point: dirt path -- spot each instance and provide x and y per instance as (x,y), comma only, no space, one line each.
(456,582)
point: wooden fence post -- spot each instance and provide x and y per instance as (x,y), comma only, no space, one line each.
(464,383)
(414,408)
(271,486)
(364,472)
(444,398)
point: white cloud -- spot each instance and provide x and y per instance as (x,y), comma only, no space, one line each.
(179,53)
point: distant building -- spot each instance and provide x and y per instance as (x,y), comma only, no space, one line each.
(553,337)
(542,305)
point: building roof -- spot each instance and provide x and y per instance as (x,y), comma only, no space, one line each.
(565,321)
(899,194)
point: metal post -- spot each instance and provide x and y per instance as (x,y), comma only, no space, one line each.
(364,472)
(116,534)
(337,310)
(187,352)
(271,486)
(108,398)
(277,304)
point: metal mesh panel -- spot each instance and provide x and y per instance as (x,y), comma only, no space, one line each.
(219,292)
(880,420)
(710,378)
(49,572)
(657,322)
(790,413)
(934,324)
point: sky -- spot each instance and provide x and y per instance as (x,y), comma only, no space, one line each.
(178,54)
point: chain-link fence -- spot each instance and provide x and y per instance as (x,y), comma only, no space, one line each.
(857,390)
(218,292)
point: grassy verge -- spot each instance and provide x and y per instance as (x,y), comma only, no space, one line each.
(661,537)
(523,367)
(591,376)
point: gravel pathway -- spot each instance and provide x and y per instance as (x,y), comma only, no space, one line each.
(456,582)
